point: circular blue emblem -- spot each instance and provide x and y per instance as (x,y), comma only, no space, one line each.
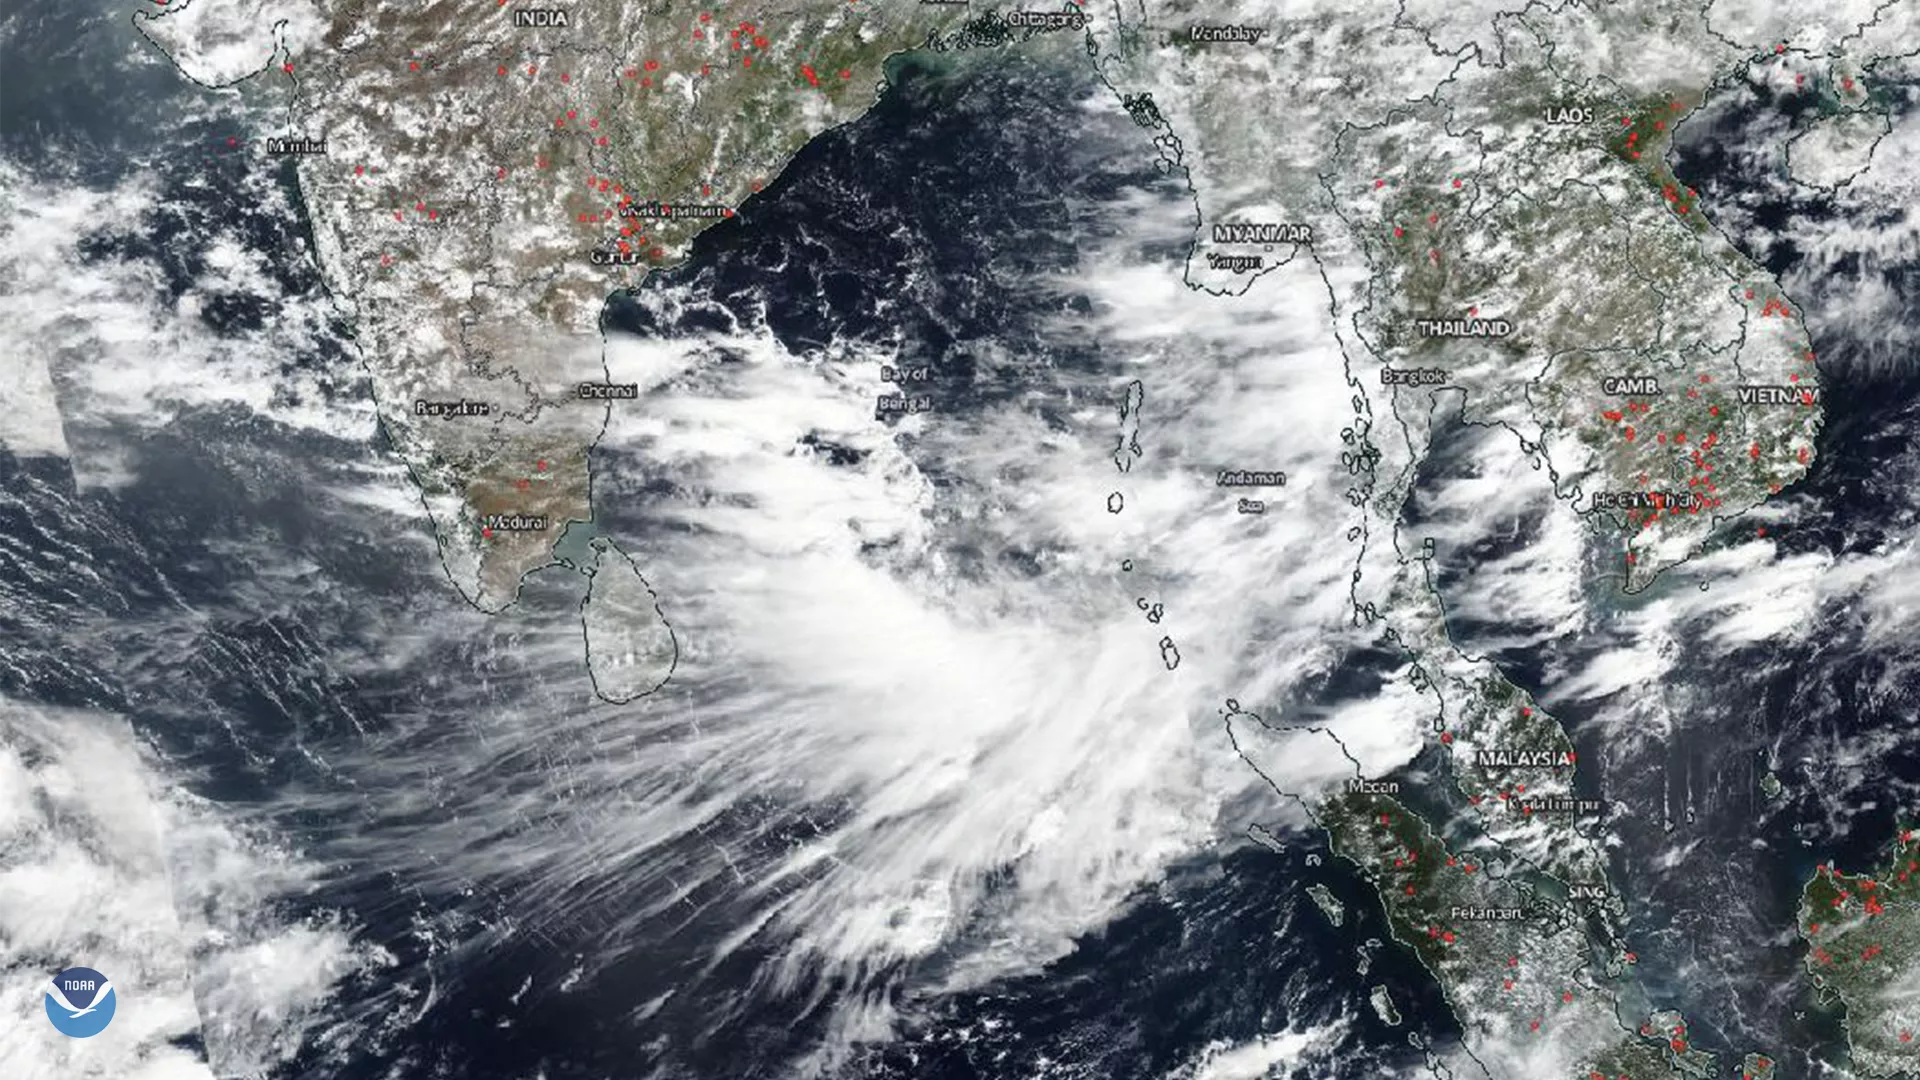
(80,1002)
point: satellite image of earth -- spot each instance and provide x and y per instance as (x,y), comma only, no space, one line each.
(953,540)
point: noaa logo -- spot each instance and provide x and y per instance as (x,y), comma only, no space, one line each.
(80,1002)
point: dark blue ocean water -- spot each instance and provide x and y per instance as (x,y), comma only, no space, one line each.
(253,621)
(256,622)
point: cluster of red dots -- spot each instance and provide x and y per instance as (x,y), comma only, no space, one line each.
(526,482)
(1866,892)
(523,484)
(1433,219)
(1676,1036)
(1506,795)
(1701,480)
(593,125)
(746,38)
(1656,127)
(1407,858)
(644,73)
(420,209)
